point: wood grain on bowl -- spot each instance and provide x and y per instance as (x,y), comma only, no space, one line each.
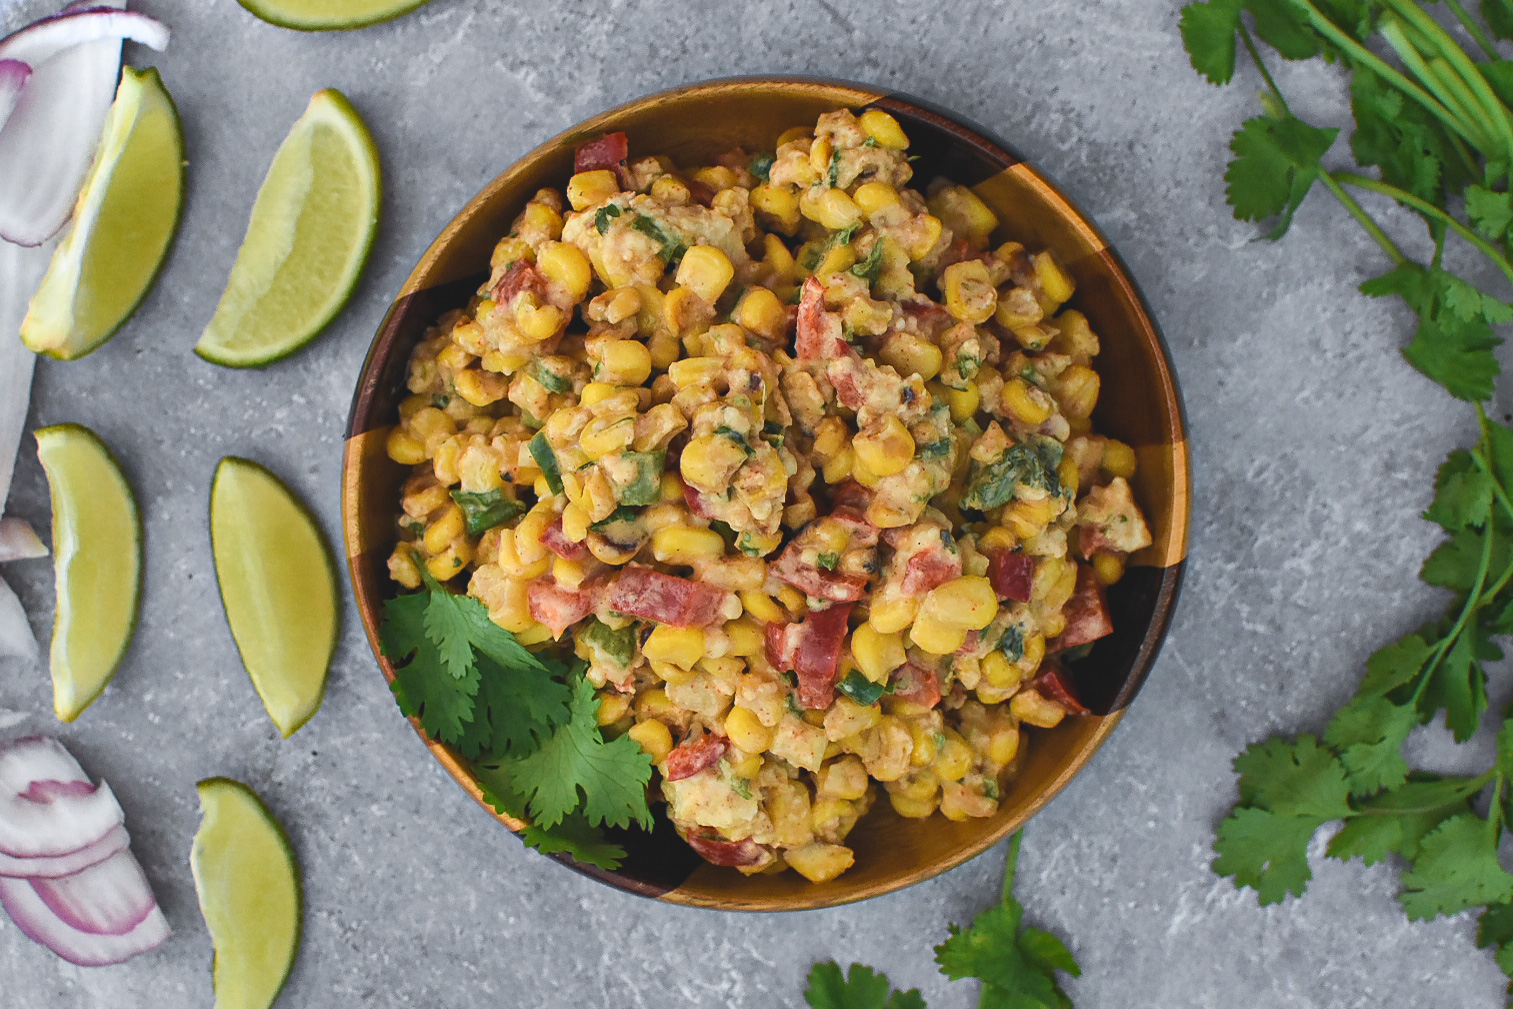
(1140,404)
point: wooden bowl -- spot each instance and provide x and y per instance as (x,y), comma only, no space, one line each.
(1140,404)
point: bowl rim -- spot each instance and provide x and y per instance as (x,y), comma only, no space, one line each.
(964,131)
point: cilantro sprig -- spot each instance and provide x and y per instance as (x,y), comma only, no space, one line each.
(1434,122)
(1356,773)
(1017,964)
(526,722)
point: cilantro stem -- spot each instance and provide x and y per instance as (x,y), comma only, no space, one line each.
(1495,812)
(1471,605)
(1473,29)
(1010,861)
(1428,210)
(1392,31)
(1255,57)
(1455,57)
(1381,68)
(1364,219)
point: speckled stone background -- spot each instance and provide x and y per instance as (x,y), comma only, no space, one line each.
(1314,447)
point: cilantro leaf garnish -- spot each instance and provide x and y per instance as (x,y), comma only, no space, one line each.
(610,775)
(859,988)
(1276,163)
(527,722)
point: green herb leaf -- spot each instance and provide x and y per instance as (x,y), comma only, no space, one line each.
(578,767)
(1368,734)
(574,836)
(860,689)
(1276,162)
(1462,494)
(483,510)
(1294,779)
(761,166)
(869,268)
(1454,341)
(1265,851)
(1499,17)
(859,988)
(1456,869)
(1208,33)
(604,215)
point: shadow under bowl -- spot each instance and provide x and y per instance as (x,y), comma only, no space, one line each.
(1140,404)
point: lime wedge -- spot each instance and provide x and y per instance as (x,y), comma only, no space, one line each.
(248,883)
(329,15)
(97,559)
(312,225)
(278,585)
(124,221)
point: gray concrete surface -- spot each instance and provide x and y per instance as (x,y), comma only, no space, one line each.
(1314,448)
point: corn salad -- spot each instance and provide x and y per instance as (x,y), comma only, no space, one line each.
(796,460)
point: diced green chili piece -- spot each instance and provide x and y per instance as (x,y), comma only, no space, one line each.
(483,510)
(646,488)
(618,645)
(541,451)
(860,689)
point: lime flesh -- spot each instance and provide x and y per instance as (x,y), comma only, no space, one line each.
(329,15)
(311,228)
(249,889)
(124,222)
(97,556)
(278,586)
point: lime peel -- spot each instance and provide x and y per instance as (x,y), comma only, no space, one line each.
(124,223)
(330,15)
(278,588)
(309,235)
(97,552)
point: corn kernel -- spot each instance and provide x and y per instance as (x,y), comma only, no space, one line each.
(928,234)
(791,134)
(1027,518)
(624,362)
(1003,746)
(1077,391)
(507,251)
(831,208)
(670,673)
(447,527)
(404,448)
(761,605)
(745,638)
(970,295)
(922,736)
(999,671)
(877,654)
(746,731)
(886,451)
(681,646)
(963,402)
(613,706)
(792,599)
(968,602)
(450,562)
(1034,652)
(838,259)
(604,437)
(892,613)
(954,759)
(1054,281)
(914,809)
(1108,568)
(997,538)
(1118,459)
(862,473)
(837,469)
(538,322)
(710,460)
(566,265)
(760,312)
(872,197)
(653,737)
(747,767)
(912,355)
(1030,707)
(777,257)
(716,177)
(706,271)
(884,129)
(686,545)
(695,371)
(779,205)
(818,862)
(935,636)
(540,217)
(595,392)
(1030,408)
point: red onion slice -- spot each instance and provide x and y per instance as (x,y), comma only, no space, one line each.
(32,915)
(21,271)
(47,143)
(53,866)
(110,898)
(19,541)
(13,75)
(16,638)
(40,815)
